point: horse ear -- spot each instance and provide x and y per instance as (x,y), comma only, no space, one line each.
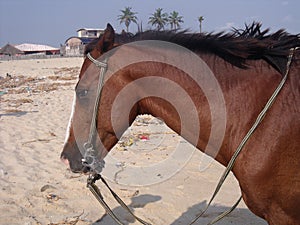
(108,38)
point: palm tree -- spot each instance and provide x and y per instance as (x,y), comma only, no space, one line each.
(158,19)
(127,17)
(200,19)
(175,20)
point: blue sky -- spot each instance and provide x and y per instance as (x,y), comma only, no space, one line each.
(51,22)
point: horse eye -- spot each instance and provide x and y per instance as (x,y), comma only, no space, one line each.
(81,93)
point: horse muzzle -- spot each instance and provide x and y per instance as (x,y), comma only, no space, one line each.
(72,157)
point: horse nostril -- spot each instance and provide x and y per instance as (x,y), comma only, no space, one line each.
(65,160)
(86,169)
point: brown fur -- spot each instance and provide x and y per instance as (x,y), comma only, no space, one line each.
(248,66)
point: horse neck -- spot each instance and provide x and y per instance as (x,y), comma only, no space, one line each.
(245,93)
(175,98)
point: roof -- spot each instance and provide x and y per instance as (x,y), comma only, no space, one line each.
(9,49)
(35,47)
(84,40)
(91,29)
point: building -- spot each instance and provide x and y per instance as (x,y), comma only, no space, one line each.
(37,49)
(89,32)
(27,49)
(74,46)
(10,50)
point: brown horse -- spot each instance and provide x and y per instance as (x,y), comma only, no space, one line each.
(247,66)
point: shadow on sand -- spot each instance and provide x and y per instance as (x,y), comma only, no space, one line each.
(237,217)
(136,202)
(17,113)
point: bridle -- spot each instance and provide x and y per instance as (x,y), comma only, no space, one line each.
(91,160)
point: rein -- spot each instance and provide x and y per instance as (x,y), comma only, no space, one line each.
(91,160)
(230,165)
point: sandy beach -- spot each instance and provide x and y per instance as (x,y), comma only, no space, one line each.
(36,188)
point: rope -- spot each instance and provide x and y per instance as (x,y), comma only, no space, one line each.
(259,118)
(91,160)
(90,156)
(103,66)
(96,62)
(119,200)
(96,192)
(90,151)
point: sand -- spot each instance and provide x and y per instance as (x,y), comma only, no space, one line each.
(36,188)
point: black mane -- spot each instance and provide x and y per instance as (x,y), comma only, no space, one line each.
(235,47)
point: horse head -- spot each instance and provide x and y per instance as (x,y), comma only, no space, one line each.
(83,103)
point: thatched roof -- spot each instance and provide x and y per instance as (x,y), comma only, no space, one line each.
(9,49)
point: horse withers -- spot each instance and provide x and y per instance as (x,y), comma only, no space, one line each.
(247,66)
